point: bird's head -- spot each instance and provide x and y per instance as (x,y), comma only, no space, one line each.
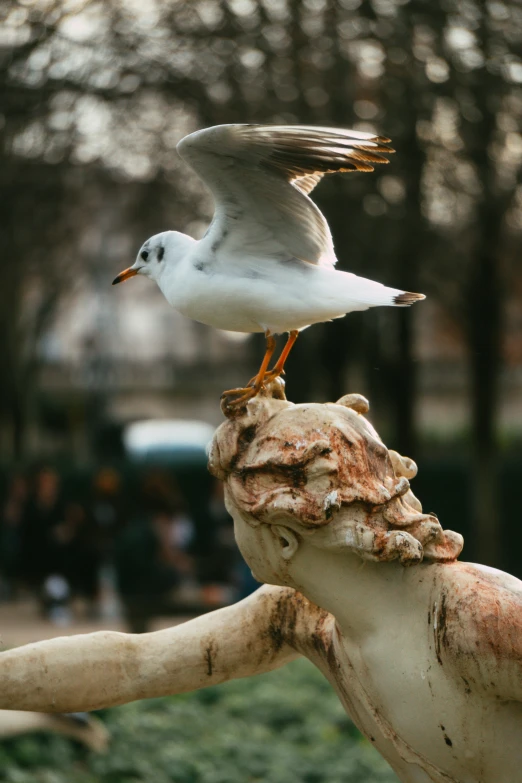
(153,257)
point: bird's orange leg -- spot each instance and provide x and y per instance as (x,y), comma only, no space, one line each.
(279,366)
(256,383)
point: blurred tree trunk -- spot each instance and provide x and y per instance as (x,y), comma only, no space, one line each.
(404,388)
(408,256)
(38,269)
(14,414)
(484,341)
(484,293)
(484,336)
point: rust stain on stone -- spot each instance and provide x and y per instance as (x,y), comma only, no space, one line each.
(440,629)
(297,622)
(244,439)
(283,620)
(477,630)
(446,738)
(467,689)
(209,652)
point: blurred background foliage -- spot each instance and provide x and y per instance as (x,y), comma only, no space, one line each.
(94,97)
(284,727)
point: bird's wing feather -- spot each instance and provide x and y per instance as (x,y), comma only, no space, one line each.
(260,177)
(307,183)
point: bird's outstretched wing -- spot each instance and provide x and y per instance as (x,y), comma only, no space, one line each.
(260,177)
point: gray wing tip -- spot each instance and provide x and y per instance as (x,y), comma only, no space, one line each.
(407,298)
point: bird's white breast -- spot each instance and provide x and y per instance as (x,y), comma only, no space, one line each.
(263,294)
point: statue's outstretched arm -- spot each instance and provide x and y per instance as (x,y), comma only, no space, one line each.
(103,669)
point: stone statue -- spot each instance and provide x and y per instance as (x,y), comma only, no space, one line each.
(84,728)
(425,652)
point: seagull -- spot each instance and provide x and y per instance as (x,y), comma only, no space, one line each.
(267,261)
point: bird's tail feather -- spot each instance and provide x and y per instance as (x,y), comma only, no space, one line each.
(369,293)
(352,292)
(407,298)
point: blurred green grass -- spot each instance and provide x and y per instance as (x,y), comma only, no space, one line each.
(284,727)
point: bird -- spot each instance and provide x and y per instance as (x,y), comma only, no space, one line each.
(266,262)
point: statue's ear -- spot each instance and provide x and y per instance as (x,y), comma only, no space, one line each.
(287,539)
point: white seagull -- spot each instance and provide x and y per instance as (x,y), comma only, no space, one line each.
(267,262)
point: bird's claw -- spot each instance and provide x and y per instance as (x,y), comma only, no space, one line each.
(270,376)
(236,399)
(244,395)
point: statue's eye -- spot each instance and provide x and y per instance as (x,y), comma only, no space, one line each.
(144,254)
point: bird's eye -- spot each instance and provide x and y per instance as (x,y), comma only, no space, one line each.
(144,254)
(161,253)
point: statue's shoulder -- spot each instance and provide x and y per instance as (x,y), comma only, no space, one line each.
(478,588)
(477,626)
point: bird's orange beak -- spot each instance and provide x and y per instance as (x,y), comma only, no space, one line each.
(130,272)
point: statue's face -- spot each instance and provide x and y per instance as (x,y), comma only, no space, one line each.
(261,548)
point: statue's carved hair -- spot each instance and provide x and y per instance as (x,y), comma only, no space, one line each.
(301,465)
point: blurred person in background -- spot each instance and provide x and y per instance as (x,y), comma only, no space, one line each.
(152,559)
(227,558)
(58,558)
(107,511)
(109,519)
(73,554)
(11,517)
(43,512)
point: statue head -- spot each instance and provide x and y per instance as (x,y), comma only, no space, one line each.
(322,471)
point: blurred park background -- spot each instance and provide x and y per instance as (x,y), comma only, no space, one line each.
(103,517)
